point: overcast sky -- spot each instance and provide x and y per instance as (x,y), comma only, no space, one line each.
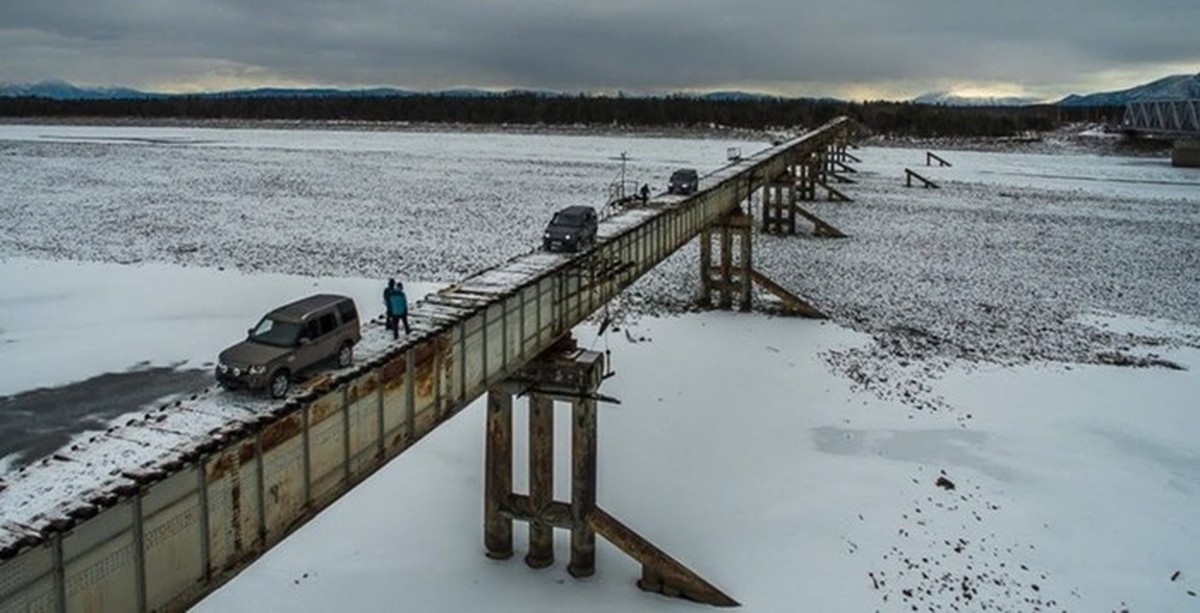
(857,49)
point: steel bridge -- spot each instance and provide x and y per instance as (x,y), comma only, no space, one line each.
(1169,118)
(232,475)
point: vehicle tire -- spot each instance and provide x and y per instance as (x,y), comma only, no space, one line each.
(281,382)
(345,355)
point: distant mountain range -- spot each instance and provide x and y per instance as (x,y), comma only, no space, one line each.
(1178,87)
(949,99)
(61,90)
(1173,87)
(1168,88)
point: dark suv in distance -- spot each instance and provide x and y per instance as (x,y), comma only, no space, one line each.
(571,229)
(683,181)
(289,340)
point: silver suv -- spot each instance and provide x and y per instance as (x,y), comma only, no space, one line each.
(289,340)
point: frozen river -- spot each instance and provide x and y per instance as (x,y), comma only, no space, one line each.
(985,329)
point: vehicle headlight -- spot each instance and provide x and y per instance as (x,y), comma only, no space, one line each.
(257,370)
(568,237)
(546,235)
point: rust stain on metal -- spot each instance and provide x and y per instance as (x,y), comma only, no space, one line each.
(228,462)
(397,440)
(246,452)
(393,372)
(235,509)
(281,431)
(328,405)
(362,388)
(428,355)
(425,420)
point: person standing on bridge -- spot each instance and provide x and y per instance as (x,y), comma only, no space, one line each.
(396,303)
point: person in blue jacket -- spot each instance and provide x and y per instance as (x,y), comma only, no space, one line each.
(397,308)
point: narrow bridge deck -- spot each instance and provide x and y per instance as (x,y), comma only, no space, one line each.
(156,512)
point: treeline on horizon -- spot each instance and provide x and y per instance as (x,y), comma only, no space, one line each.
(893,118)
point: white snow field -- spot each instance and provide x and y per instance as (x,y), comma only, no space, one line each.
(1030,333)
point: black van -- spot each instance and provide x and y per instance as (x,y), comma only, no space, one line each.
(291,339)
(683,181)
(571,229)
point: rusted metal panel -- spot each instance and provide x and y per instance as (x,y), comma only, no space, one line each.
(425,421)
(393,374)
(529,319)
(427,358)
(547,324)
(363,399)
(473,345)
(283,485)
(232,507)
(326,448)
(512,332)
(27,581)
(450,389)
(495,341)
(281,430)
(100,570)
(172,538)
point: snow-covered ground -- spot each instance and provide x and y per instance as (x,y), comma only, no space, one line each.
(1030,332)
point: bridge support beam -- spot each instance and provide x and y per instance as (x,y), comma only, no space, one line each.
(779,207)
(568,374)
(541,479)
(497,476)
(726,275)
(780,200)
(1186,153)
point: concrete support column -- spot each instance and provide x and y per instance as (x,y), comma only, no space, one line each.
(497,486)
(541,479)
(583,487)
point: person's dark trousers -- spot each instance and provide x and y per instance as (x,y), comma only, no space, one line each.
(392,325)
(407,330)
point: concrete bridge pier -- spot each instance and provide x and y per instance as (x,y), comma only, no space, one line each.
(1186,153)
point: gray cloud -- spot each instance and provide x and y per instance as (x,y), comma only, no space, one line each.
(664,45)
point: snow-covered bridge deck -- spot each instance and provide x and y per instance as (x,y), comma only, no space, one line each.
(156,512)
